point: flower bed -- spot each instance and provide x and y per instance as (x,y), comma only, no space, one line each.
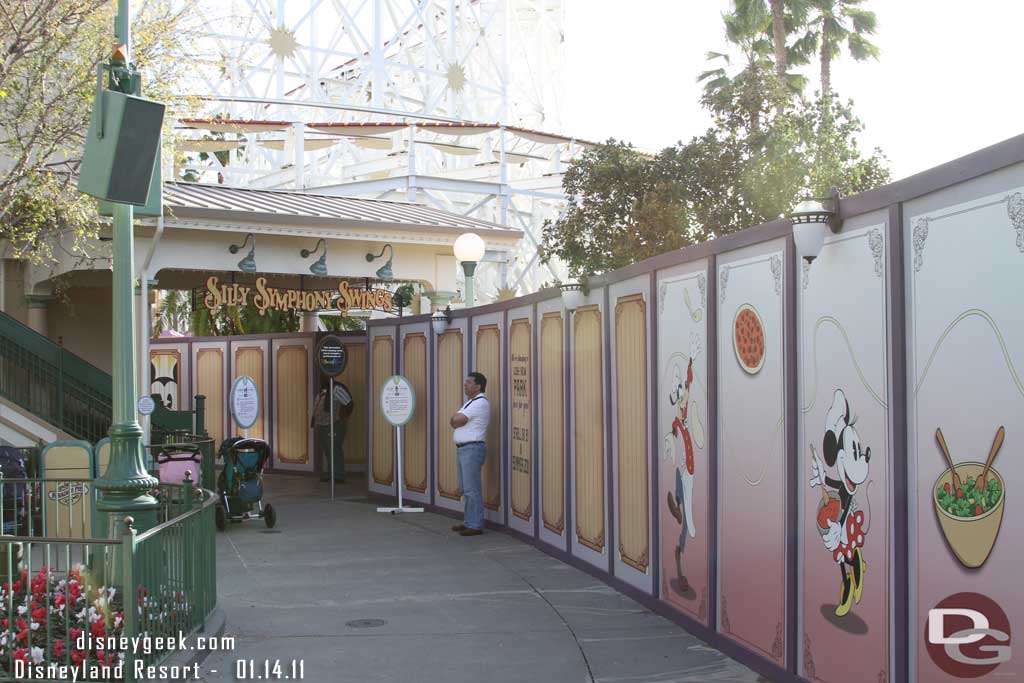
(68,621)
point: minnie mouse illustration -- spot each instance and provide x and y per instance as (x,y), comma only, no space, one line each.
(842,527)
(681,441)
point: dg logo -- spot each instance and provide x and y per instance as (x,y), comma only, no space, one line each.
(968,635)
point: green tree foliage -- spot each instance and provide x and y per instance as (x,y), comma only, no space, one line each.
(768,146)
(47,81)
(835,23)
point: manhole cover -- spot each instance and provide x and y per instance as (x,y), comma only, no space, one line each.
(271,531)
(366,623)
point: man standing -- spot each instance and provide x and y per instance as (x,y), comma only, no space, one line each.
(470,425)
(321,422)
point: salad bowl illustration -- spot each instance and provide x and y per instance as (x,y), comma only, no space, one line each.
(969,501)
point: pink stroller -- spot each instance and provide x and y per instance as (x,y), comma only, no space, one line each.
(175,459)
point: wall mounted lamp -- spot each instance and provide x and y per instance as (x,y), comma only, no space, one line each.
(247,264)
(319,267)
(441,319)
(384,272)
(813,219)
(574,294)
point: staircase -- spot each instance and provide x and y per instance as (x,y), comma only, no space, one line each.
(53,384)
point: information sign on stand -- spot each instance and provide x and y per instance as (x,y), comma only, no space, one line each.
(245,402)
(398,404)
(332,358)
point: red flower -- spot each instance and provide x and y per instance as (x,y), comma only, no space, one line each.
(74,634)
(99,629)
(58,648)
(17,587)
(20,623)
(58,600)
(23,636)
(39,614)
(77,657)
(74,590)
(22,654)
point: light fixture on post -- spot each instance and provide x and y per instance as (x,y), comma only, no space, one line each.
(441,319)
(812,220)
(574,294)
(248,264)
(319,267)
(469,249)
(384,272)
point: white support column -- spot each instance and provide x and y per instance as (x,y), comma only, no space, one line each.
(299,130)
(410,192)
(503,179)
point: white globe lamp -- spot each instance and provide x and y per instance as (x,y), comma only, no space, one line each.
(469,249)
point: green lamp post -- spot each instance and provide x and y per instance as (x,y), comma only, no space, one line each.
(124,487)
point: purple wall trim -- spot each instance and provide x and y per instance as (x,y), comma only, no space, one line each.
(712,364)
(652,419)
(898,417)
(534,416)
(792,339)
(610,499)
(570,522)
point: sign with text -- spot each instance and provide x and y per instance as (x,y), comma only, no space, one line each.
(146,405)
(397,400)
(245,402)
(266,298)
(331,356)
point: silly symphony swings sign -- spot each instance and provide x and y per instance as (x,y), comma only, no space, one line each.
(273,299)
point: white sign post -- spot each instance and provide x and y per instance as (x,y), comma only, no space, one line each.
(245,403)
(398,403)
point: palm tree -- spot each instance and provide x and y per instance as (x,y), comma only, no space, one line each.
(173,312)
(835,22)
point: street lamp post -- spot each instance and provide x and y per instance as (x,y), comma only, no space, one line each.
(469,249)
(125,485)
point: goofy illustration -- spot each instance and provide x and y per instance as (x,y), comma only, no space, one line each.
(680,442)
(840,523)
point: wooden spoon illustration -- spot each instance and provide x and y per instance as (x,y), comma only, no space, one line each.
(996,445)
(949,460)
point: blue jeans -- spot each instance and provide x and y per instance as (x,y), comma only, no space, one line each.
(471,461)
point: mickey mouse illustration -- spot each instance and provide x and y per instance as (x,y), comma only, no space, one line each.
(842,528)
(681,441)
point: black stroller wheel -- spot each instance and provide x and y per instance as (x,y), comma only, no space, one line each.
(269,516)
(221,519)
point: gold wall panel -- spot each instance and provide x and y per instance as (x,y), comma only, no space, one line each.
(210,383)
(552,362)
(589,428)
(521,438)
(632,428)
(414,456)
(449,399)
(249,361)
(291,379)
(488,361)
(354,377)
(383,432)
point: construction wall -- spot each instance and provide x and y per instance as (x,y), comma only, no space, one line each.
(284,369)
(748,441)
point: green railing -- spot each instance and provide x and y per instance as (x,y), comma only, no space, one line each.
(159,582)
(52,383)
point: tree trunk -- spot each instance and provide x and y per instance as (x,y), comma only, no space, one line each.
(779,40)
(826,70)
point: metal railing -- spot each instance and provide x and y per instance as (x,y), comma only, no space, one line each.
(63,590)
(52,383)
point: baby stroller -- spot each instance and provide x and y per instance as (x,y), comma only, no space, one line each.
(240,483)
(175,459)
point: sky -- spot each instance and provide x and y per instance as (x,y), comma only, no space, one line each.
(947,82)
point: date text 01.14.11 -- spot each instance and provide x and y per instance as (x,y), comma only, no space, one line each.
(269,669)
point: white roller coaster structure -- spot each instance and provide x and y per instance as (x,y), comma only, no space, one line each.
(453,103)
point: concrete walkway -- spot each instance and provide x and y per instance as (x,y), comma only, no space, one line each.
(361,596)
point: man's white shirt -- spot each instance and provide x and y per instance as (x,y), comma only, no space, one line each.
(478,411)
